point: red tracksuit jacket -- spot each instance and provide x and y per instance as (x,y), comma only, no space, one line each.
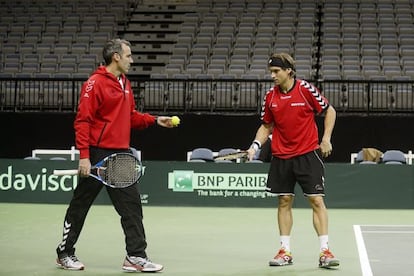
(106,113)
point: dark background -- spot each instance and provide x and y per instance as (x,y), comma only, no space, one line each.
(23,132)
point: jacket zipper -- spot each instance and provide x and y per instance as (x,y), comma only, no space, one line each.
(101,134)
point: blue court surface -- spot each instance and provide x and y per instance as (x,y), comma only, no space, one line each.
(385,249)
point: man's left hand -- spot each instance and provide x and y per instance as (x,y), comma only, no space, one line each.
(164,121)
(326,148)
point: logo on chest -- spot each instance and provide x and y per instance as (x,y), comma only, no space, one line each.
(288,100)
(297,104)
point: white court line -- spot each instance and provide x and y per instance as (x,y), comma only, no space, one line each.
(389,232)
(363,256)
(389,226)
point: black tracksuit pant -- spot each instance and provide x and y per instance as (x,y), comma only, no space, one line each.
(127,203)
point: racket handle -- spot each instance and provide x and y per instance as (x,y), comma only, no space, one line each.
(65,172)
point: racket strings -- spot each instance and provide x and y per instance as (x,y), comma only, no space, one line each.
(122,170)
(232,156)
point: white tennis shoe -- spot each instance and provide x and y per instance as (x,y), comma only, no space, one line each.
(70,263)
(135,264)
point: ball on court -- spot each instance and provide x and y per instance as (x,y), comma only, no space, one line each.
(175,120)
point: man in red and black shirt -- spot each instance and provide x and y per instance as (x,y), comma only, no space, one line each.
(288,114)
(105,117)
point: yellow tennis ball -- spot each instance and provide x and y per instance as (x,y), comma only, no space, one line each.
(175,120)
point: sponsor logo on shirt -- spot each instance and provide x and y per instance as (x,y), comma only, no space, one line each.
(297,104)
(88,88)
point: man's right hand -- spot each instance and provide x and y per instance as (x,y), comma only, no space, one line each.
(251,152)
(84,167)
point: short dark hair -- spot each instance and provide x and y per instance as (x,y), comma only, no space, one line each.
(111,47)
(284,61)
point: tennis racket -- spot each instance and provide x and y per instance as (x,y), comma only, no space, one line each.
(118,170)
(232,156)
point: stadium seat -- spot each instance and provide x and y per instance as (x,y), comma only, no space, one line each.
(205,154)
(394,157)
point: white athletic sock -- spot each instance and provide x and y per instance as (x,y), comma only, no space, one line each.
(323,240)
(285,242)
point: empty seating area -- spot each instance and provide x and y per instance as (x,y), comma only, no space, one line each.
(41,38)
(367,40)
(236,38)
(343,40)
(211,55)
(372,156)
(347,39)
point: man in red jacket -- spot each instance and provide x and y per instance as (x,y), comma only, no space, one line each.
(288,114)
(105,117)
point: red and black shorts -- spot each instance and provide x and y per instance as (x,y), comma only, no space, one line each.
(307,170)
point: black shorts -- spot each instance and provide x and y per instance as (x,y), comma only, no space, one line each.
(307,170)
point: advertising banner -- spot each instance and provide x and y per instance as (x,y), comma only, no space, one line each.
(213,184)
